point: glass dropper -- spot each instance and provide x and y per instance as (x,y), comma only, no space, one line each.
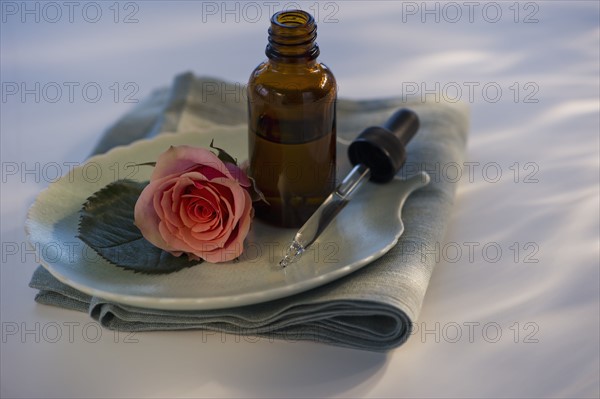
(328,210)
(377,154)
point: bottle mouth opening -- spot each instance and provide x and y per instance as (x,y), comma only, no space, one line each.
(292,19)
(292,36)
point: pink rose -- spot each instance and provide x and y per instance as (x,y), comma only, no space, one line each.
(195,204)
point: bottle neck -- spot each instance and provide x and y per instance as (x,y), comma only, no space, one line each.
(292,37)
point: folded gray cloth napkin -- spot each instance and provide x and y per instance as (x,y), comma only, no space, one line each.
(370,309)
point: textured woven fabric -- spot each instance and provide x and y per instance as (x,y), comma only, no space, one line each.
(370,309)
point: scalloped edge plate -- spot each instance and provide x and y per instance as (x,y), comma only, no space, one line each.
(360,234)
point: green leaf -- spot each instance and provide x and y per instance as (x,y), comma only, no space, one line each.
(222,154)
(255,194)
(106,224)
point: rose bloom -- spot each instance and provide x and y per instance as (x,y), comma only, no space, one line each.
(195,204)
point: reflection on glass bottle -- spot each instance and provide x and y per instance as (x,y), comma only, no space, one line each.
(291,131)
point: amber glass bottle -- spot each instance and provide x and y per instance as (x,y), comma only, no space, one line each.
(291,130)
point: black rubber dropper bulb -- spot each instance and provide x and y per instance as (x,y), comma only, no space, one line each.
(383,148)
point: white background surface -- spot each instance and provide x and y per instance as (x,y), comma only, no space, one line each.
(543,299)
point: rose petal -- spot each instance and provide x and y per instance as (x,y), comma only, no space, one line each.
(173,243)
(202,234)
(235,247)
(167,205)
(179,159)
(145,217)
(208,172)
(195,197)
(238,198)
(238,174)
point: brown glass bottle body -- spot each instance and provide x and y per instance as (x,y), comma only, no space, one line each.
(292,123)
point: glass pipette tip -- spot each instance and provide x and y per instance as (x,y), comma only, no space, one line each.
(333,204)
